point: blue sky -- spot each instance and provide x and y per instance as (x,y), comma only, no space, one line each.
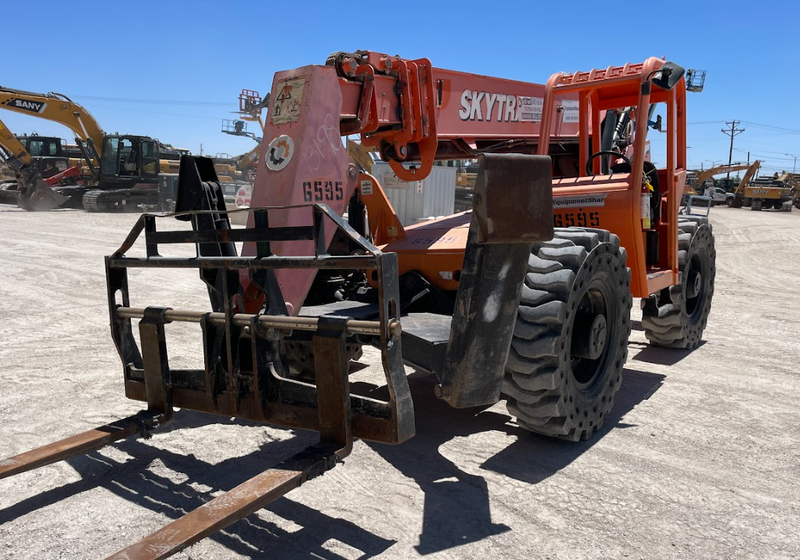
(173,70)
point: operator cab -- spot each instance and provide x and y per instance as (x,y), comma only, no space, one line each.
(129,159)
(42,146)
(47,152)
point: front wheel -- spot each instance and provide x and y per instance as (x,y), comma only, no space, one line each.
(677,316)
(571,336)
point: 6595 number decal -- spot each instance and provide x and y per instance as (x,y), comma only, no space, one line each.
(322,191)
(579,219)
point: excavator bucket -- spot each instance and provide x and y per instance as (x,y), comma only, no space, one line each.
(41,198)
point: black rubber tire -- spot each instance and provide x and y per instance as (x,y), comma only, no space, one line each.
(550,391)
(676,318)
(729,202)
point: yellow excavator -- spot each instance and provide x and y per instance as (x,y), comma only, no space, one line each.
(792,182)
(31,163)
(124,169)
(731,199)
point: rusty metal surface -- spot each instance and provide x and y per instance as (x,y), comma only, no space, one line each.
(513,211)
(353,326)
(76,445)
(244,373)
(236,504)
(513,200)
(336,442)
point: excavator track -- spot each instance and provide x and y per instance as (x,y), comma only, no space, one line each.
(104,201)
(119,200)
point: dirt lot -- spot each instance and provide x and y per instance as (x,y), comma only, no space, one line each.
(699,459)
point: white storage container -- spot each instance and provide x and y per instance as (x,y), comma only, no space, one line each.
(433,196)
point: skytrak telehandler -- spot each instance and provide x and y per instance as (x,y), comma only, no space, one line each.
(496,302)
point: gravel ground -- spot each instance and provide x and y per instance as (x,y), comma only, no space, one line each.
(699,458)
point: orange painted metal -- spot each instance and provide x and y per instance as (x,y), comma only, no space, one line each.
(477,112)
(474,113)
(612,88)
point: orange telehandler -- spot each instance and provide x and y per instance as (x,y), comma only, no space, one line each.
(527,297)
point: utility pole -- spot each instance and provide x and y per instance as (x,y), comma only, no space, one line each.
(732,131)
(794,166)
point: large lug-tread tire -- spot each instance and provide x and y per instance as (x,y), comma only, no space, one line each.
(677,316)
(572,280)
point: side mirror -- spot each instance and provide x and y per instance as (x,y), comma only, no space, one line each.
(668,75)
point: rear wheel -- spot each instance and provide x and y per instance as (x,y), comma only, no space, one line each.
(571,336)
(677,316)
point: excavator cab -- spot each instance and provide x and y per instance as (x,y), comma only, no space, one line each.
(129,160)
(42,146)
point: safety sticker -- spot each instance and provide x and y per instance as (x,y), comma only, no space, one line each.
(581,201)
(280,152)
(288,101)
(570,112)
(366,187)
(530,109)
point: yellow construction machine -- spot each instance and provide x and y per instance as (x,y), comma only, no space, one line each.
(765,193)
(124,169)
(714,193)
(30,164)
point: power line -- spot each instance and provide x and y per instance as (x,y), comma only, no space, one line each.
(206,117)
(751,123)
(793,130)
(771,158)
(155,101)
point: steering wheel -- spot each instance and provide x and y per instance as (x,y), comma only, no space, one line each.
(605,153)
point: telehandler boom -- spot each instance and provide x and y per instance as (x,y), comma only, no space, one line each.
(526,298)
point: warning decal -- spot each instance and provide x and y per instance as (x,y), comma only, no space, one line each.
(288,101)
(280,152)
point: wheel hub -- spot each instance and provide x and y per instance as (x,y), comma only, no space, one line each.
(590,336)
(694,284)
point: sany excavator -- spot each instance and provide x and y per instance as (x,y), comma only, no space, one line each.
(31,160)
(124,168)
(496,302)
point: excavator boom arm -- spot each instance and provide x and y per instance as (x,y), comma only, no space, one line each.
(60,109)
(18,155)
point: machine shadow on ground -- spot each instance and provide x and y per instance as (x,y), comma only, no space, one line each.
(456,508)
(660,356)
(145,480)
